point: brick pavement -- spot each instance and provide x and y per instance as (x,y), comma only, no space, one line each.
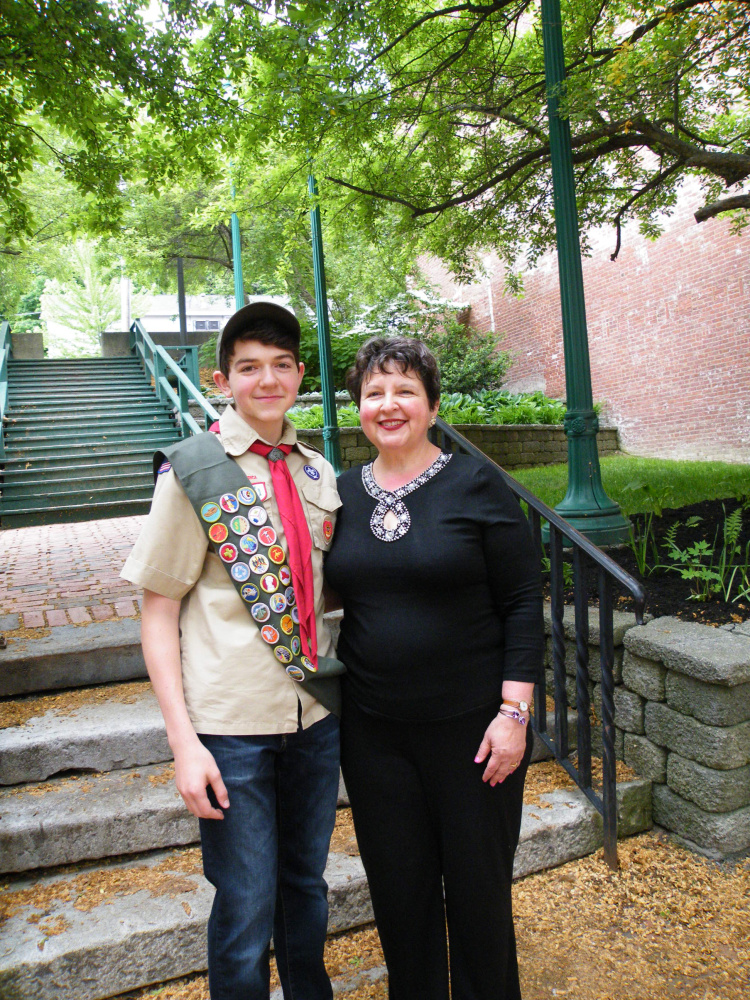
(68,574)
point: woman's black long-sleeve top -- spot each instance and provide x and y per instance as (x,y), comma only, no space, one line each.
(435,621)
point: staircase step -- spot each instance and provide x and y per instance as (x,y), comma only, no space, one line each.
(76,818)
(73,656)
(151,925)
(31,516)
(77,465)
(105,728)
(56,415)
(143,480)
(112,444)
(21,435)
(128,925)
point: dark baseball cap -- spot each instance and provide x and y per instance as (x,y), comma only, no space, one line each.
(245,319)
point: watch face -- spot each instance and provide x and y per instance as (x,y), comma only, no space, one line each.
(523,706)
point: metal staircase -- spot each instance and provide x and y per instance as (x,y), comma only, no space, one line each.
(79,436)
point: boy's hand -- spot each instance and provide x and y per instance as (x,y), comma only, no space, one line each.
(195,769)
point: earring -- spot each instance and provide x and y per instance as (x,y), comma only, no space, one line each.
(433,421)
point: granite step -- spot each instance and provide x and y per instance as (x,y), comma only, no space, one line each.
(105,930)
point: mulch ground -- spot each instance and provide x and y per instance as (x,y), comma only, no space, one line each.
(666,592)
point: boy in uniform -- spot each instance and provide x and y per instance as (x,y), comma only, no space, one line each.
(255,747)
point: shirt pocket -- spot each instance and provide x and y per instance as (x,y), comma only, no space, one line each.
(322,504)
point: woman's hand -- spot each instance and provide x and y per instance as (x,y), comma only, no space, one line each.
(505,742)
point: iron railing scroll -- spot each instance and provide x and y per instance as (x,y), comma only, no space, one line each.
(159,366)
(587,558)
(4,357)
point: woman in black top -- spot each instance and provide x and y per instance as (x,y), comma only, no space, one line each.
(442,637)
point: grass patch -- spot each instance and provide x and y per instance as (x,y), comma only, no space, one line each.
(681,483)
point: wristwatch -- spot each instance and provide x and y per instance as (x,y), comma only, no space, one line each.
(522,706)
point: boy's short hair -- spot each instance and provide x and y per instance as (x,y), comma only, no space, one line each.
(408,355)
(267,322)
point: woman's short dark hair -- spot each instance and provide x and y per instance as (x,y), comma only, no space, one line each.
(380,354)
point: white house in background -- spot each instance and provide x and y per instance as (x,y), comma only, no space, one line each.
(204,313)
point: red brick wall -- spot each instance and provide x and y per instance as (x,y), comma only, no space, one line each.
(669,334)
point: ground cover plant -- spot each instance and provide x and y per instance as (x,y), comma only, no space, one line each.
(690,532)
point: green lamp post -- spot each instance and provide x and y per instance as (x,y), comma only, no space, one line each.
(331,445)
(585,505)
(239,286)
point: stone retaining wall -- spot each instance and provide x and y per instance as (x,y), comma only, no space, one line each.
(684,713)
(511,445)
(682,720)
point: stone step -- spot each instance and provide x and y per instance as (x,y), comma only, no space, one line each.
(143,478)
(103,728)
(66,466)
(30,516)
(83,818)
(105,930)
(78,493)
(72,656)
(99,729)
(88,413)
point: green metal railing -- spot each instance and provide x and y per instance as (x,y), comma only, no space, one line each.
(4,356)
(159,366)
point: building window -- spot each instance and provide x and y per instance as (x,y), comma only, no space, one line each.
(213,324)
(200,324)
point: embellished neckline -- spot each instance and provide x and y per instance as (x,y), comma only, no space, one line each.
(392,501)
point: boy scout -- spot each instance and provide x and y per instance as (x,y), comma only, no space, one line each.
(256,752)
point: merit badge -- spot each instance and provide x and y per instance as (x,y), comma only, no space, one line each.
(249,593)
(210,511)
(328,529)
(287,625)
(278,603)
(295,672)
(246,496)
(229,503)
(282,654)
(240,572)
(164,467)
(311,472)
(228,552)
(260,612)
(257,515)
(289,594)
(285,575)
(295,615)
(276,554)
(269,583)
(269,633)
(218,533)
(260,488)
(308,664)
(258,564)
(239,525)
(267,535)
(295,644)
(249,544)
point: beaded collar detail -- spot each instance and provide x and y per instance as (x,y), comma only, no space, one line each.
(394,502)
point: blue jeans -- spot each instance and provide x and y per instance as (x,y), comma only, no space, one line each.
(266,859)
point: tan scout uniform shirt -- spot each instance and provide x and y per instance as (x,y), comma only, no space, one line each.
(233,684)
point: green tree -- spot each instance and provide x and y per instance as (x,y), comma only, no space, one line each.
(440,111)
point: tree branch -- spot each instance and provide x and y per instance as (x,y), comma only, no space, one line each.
(724,205)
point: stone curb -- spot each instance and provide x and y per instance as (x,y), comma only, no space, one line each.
(715,656)
(131,941)
(622,622)
(73,656)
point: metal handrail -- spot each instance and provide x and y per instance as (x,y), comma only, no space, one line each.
(585,553)
(156,363)
(5,344)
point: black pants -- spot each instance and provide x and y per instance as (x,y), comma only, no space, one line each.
(437,845)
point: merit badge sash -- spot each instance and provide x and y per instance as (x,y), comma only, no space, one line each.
(239,531)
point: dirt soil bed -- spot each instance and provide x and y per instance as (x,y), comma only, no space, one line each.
(666,592)
(666,926)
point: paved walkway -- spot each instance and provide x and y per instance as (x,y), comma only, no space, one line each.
(67,574)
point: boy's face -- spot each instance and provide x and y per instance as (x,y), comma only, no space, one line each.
(263,380)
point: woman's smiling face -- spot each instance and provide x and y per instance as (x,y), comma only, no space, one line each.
(394,410)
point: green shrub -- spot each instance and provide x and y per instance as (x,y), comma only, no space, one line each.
(468,360)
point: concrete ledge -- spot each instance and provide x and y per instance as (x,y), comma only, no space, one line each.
(716,835)
(714,656)
(73,656)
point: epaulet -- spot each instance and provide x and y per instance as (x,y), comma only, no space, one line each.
(305,446)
